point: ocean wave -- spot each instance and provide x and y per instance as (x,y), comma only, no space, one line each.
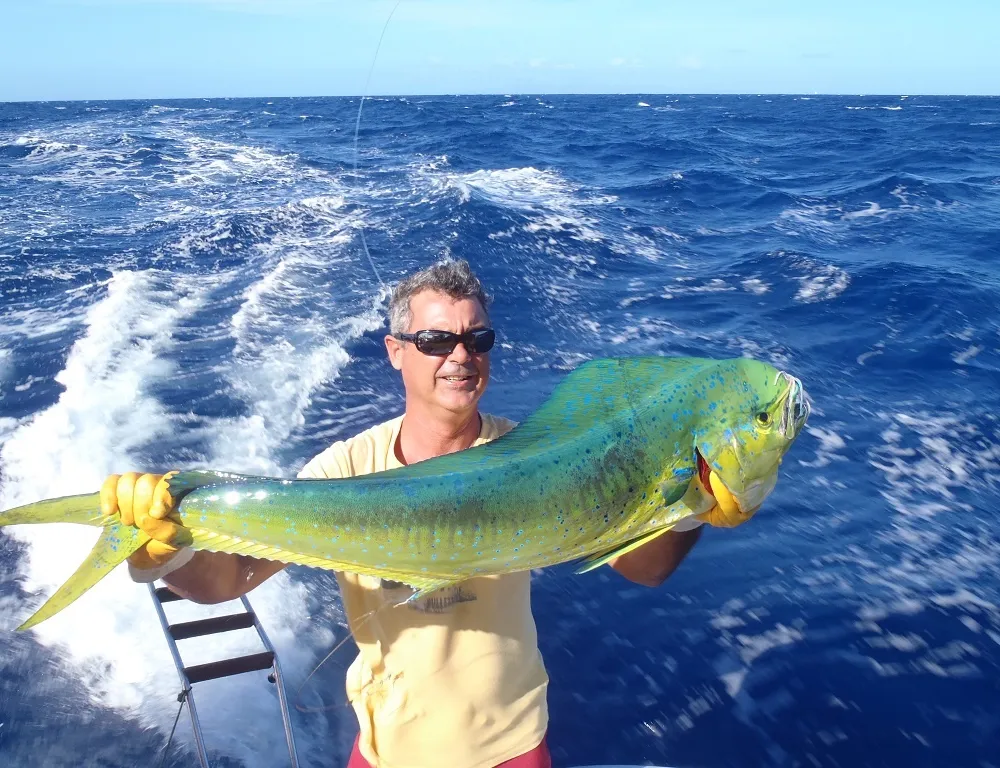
(104,421)
(524,189)
(196,273)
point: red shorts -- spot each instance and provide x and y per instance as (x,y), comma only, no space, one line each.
(539,757)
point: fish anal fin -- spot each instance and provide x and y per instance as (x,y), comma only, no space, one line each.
(217,542)
(600,558)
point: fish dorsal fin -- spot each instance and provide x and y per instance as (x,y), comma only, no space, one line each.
(600,558)
(183,483)
(601,396)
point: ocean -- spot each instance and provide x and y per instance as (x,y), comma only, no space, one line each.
(183,283)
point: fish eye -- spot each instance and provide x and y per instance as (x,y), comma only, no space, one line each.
(763,418)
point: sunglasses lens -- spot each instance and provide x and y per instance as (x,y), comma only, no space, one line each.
(441,343)
(436,342)
(482,341)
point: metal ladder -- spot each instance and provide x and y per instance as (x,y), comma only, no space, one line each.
(267,659)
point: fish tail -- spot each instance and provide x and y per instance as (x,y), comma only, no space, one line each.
(84,509)
(115,544)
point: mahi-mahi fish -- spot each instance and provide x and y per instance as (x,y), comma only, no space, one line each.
(622,451)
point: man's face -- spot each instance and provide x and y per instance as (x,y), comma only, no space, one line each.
(452,382)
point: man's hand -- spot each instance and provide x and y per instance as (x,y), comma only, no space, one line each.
(726,513)
(145,503)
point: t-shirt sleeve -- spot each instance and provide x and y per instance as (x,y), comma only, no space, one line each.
(331,464)
(496,426)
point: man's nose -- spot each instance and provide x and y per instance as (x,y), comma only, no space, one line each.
(460,354)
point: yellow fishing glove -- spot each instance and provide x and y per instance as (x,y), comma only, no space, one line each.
(726,513)
(145,503)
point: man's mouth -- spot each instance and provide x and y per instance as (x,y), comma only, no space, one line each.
(459,377)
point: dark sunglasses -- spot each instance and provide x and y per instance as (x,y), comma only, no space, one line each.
(440,343)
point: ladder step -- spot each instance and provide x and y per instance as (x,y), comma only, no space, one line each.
(187,629)
(164,595)
(236,666)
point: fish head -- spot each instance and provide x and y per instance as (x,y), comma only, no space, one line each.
(758,413)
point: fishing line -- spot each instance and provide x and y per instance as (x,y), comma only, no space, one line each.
(357,126)
(181,697)
(364,243)
(348,636)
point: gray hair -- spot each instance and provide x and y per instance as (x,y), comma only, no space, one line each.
(450,277)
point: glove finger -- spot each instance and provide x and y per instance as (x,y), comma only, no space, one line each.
(109,495)
(718,517)
(163,502)
(142,498)
(164,531)
(160,552)
(125,490)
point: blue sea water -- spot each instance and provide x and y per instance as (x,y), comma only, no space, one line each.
(183,283)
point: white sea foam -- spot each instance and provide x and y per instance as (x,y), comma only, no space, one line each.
(827,451)
(555,206)
(755,285)
(817,281)
(963,357)
(104,402)
(104,420)
(828,282)
(685,286)
(830,223)
(873,209)
(525,189)
(277,371)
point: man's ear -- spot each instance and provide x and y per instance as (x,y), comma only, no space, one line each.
(395,349)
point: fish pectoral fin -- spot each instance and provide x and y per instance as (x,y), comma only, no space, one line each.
(600,558)
(115,544)
(425,588)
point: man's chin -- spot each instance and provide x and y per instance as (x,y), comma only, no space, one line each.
(457,400)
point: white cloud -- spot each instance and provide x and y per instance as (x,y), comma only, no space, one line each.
(447,13)
(244,6)
(621,61)
(541,63)
(690,62)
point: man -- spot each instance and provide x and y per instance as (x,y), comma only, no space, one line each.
(455,679)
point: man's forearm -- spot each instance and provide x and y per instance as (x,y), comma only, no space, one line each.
(654,562)
(215,577)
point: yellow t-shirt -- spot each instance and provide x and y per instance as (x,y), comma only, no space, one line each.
(453,680)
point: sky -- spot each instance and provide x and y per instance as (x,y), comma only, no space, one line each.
(159,49)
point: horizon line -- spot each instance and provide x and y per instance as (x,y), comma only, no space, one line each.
(508,94)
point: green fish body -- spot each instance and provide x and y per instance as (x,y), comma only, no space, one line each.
(619,453)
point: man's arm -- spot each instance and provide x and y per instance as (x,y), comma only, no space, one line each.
(143,501)
(215,577)
(652,563)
